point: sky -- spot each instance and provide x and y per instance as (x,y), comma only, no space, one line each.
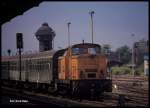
(114,23)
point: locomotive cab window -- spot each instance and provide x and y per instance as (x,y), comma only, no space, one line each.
(94,50)
(76,51)
(85,49)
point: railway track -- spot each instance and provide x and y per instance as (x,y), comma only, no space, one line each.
(31,98)
(45,99)
(135,90)
(129,78)
(134,94)
(109,100)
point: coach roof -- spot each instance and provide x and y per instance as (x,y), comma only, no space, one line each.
(29,56)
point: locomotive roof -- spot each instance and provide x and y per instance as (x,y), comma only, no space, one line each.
(86,45)
(28,56)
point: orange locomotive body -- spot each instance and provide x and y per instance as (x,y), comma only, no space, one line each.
(83,64)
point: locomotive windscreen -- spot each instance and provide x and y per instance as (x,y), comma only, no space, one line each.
(86,49)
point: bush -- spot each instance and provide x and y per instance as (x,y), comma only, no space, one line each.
(126,70)
(121,70)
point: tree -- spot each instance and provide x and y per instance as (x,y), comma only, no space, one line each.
(125,54)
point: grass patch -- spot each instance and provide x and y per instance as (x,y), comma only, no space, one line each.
(124,70)
(121,70)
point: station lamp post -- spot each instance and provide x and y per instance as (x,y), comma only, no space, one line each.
(68,24)
(69,49)
(91,14)
(133,71)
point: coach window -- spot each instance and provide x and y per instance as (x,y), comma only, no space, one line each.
(31,65)
(23,66)
(37,66)
(50,65)
(15,66)
(46,63)
(11,67)
(42,65)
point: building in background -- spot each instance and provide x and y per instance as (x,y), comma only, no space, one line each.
(140,49)
(45,35)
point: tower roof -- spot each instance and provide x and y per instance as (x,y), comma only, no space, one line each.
(45,30)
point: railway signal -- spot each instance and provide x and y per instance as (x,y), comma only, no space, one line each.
(133,65)
(9,52)
(19,38)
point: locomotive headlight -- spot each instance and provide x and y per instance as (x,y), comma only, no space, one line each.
(115,86)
